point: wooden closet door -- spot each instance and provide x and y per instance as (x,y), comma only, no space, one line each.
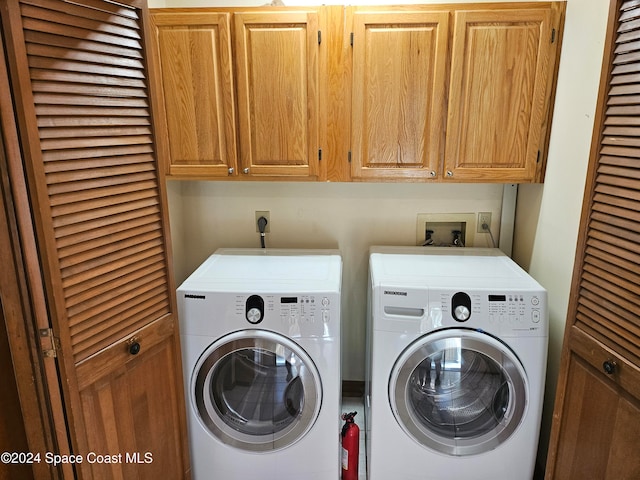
(13,433)
(80,83)
(596,429)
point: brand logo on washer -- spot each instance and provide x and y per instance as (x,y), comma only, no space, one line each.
(199,297)
(395,292)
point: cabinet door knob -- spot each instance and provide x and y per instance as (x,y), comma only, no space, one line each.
(609,367)
(134,347)
(449,173)
(246,170)
(231,170)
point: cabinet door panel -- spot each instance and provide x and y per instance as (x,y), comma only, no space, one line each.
(498,91)
(198,91)
(277,64)
(398,94)
(129,411)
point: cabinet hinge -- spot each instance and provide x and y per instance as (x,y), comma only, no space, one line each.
(49,343)
(319,37)
(351,39)
(319,154)
(349,156)
(538,158)
(553,35)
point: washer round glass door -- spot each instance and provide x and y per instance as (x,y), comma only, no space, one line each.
(459,392)
(256,390)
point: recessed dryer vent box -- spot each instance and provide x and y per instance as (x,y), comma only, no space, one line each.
(442,226)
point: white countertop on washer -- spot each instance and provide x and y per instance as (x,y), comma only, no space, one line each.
(448,267)
(268,270)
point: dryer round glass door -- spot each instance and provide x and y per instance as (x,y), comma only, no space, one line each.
(256,390)
(459,392)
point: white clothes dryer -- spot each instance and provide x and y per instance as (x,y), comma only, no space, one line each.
(260,335)
(457,348)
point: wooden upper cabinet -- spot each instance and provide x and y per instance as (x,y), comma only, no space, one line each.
(196,75)
(399,85)
(277,62)
(496,67)
(502,66)
(452,92)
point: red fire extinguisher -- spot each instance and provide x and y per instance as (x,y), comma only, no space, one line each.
(350,447)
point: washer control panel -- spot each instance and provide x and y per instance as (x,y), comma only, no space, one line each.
(306,314)
(516,311)
(305,308)
(514,307)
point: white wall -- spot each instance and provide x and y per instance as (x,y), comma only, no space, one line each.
(348,216)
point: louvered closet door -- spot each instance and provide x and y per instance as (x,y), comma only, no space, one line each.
(609,304)
(100,213)
(596,427)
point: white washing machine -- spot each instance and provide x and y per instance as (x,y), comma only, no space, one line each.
(457,349)
(260,332)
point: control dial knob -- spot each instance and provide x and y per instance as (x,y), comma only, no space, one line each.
(254,315)
(461,307)
(461,313)
(254,309)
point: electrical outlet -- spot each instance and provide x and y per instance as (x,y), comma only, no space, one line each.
(484,218)
(264,214)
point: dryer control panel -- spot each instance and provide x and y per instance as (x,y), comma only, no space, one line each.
(514,308)
(515,312)
(297,315)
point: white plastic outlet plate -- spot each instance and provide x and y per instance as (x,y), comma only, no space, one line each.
(483,217)
(442,224)
(264,214)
